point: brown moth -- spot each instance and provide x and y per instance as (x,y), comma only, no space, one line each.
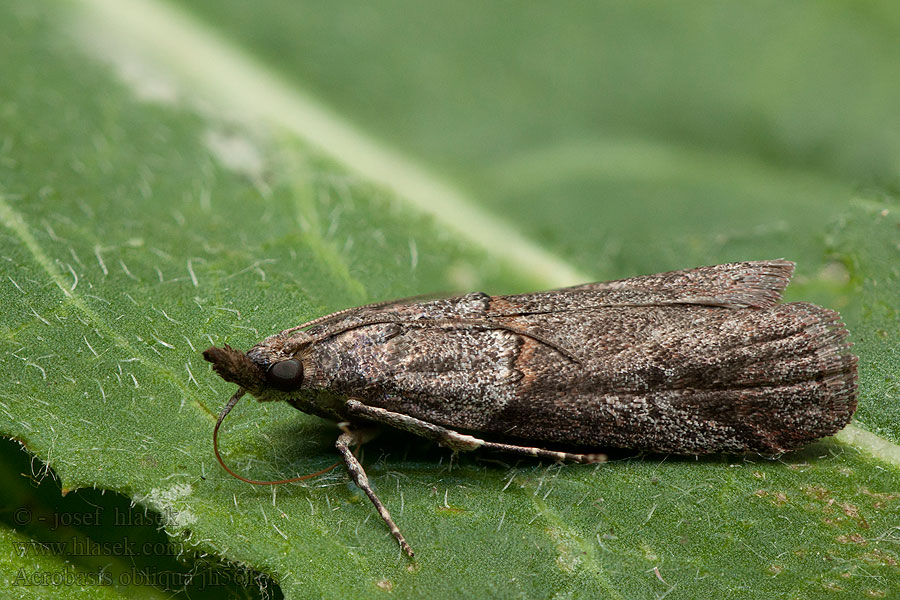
(694,361)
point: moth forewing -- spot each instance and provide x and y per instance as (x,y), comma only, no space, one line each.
(694,361)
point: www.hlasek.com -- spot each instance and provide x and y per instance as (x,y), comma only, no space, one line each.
(79,546)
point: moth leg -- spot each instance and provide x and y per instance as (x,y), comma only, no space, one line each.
(544,453)
(456,441)
(351,438)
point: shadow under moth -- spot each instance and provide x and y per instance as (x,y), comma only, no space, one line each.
(689,362)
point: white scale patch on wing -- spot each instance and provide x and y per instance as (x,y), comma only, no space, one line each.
(440,380)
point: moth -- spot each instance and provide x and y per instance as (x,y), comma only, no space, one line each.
(689,362)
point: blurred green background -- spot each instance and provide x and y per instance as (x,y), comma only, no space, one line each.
(147,212)
(721,123)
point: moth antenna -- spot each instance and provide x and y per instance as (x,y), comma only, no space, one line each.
(456,324)
(336,315)
(234,400)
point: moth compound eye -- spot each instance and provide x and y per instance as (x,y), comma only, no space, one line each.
(286,375)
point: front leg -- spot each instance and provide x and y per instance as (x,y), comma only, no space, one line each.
(358,474)
(454,440)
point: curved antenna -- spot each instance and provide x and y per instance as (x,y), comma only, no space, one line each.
(382,304)
(234,400)
(451,324)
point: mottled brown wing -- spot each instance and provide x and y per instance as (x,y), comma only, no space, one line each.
(662,363)
(755,284)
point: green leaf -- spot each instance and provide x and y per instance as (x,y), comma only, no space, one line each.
(92,543)
(28,572)
(867,241)
(162,190)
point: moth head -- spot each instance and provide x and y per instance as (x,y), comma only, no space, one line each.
(273,365)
